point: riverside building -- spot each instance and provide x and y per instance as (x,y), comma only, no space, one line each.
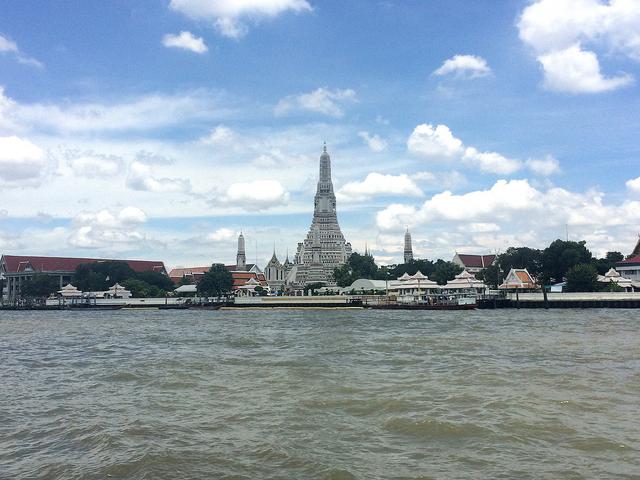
(325,247)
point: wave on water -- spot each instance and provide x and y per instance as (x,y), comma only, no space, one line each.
(434,429)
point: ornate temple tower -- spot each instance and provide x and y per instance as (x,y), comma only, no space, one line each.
(325,247)
(241,257)
(408,249)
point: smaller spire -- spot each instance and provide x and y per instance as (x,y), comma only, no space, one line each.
(324,148)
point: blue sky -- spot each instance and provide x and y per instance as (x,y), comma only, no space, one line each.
(159,129)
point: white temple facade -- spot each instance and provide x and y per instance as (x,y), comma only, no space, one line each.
(324,248)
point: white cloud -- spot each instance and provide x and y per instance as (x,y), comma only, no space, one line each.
(220,135)
(227,15)
(432,142)
(634,185)
(479,227)
(375,143)
(439,144)
(574,70)
(254,196)
(9,46)
(3,213)
(491,162)
(516,205)
(143,113)
(221,235)
(141,178)
(376,184)
(464,66)
(544,166)
(323,100)
(185,41)
(93,165)
(21,161)
(105,228)
(557,31)
(441,180)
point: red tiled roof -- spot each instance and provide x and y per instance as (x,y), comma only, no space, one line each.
(479,261)
(630,261)
(18,263)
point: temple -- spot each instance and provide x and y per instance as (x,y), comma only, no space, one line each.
(324,248)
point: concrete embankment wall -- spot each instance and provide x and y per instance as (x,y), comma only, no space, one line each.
(565,300)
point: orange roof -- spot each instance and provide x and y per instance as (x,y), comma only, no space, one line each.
(523,276)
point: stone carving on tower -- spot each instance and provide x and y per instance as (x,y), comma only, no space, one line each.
(324,248)
(408,248)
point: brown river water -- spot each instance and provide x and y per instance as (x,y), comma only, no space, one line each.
(335,394)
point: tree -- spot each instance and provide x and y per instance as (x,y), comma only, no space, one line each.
(603,265)
(357,266)
(99,276)
(40,286)
(425,267)
(159,280)
(559,257)
(312,287)
(614,257)
(491,275)
(216,282)
(445,271)
(520,257)
(142,289)
(582,278)
(343,275)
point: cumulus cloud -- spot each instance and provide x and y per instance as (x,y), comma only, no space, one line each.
(544,166)
(559,31)
(186,41)
(430,141)
(21,162)
(254,196)
(376,184)
(106,228)
(141,177)
(514,203)
(574,70)
(8,46)
(323,100)
(3,213)
(374,142)
(464,66)
(439,144)
(228,15)
(634,185)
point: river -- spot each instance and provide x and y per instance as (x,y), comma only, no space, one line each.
(335,394)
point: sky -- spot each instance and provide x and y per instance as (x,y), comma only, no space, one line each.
(161,129)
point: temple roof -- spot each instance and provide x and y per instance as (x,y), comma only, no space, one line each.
(21,263)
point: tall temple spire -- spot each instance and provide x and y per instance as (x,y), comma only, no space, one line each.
(408,248)
(241,257)
(324,247)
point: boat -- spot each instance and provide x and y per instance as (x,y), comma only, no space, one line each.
(93,306)
(430,302)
